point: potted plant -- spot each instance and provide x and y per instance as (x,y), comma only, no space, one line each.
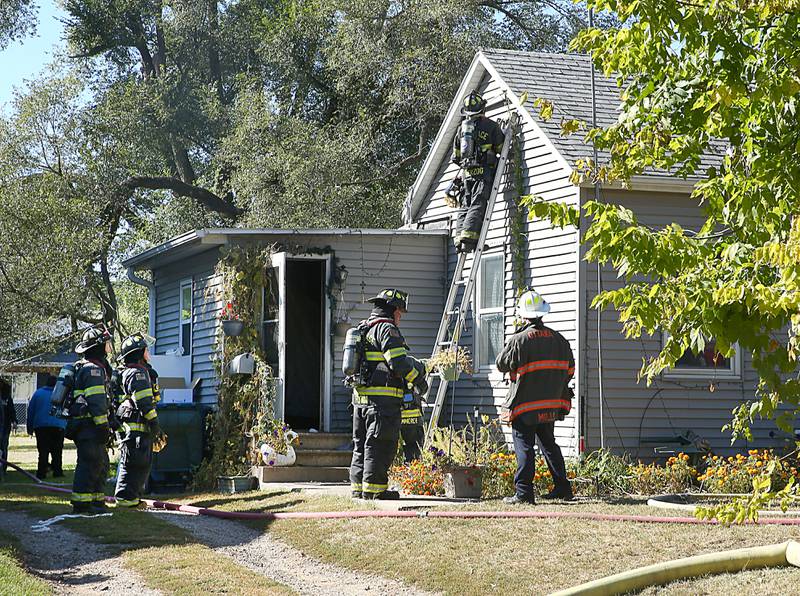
(232,325)
(234,484)
(458,456)
(450,363)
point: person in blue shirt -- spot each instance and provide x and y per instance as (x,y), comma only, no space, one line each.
(48,429)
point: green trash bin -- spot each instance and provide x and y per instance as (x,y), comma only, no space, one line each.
(172,466)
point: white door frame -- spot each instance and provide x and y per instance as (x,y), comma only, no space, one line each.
(278,262)
(327,352)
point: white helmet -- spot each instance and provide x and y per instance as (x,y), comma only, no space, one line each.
(531,305)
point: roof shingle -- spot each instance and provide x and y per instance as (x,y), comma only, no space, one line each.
(565,80)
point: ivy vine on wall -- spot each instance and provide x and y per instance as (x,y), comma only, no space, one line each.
(244,416)
(518,245)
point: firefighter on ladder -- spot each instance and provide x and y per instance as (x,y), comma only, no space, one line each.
(475,149)
(540,363)
(88,424)
(141,433)
(378,399)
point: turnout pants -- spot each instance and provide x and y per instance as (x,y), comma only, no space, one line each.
(525,436)
(135,458)
(5,437)
(90,473)
(376,431)
(477,191)
(413,438)
(50,445)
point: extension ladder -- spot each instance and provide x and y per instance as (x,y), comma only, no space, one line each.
(452,321)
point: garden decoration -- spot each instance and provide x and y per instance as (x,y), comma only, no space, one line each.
(450,363)
(278,450)
(341,321)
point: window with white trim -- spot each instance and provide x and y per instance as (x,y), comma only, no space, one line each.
(488,303)
(708,364)
(186,300)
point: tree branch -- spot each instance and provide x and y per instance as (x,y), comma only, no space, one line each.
(205,197)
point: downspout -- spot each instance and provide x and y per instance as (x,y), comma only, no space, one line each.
(151,299)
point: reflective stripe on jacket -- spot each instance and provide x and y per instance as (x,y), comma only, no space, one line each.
(540,363)
(388,364)
(137,385)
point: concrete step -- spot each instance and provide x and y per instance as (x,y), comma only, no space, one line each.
(323,440)
(323,457)
(267,475)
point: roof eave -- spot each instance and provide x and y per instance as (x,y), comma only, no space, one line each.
(651,183)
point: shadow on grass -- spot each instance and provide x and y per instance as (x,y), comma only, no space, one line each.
(256,496)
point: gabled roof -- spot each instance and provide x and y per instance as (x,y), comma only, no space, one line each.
(563,79)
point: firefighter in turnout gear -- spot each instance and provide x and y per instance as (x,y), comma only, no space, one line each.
(475,149)
(88,423)
(540,363)
(140,432)
(386,370)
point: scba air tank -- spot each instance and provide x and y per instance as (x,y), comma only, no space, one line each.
(351,359)
(60,399)
(467,138)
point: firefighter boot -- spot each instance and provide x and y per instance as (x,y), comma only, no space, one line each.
(387,495)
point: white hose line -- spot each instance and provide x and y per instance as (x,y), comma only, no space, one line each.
(729,561)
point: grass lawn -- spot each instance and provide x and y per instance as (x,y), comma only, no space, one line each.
(451,556)
(22,451)
(512,556)
(166,557)
(14,579)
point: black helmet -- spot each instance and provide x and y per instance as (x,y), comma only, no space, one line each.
(474,103)
(392,297)
(95,336)
(132,343)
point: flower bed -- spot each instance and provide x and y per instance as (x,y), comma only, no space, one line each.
(735,474)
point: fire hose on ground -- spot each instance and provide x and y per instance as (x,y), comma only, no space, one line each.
(778,555)
(729,561)
(270,516)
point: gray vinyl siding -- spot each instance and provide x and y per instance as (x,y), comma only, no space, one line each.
(411,262)
(414,262)
(550,263)
(670,405)
(205,305)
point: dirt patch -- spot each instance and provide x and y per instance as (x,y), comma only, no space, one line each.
(70,562)
(274,559)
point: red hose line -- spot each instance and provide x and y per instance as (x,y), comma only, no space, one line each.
(267,515)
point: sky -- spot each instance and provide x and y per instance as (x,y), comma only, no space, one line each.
(27,58)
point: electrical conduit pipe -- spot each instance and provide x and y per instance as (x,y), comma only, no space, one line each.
(729,561)
(527,514)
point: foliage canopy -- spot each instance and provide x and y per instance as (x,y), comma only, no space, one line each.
(695,78)
(167,116)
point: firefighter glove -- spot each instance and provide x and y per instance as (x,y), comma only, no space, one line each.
(159,441)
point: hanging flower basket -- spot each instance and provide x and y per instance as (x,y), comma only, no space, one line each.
(450,363)
(233,328)
(450,373)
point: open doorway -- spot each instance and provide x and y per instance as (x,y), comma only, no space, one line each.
(305,342)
